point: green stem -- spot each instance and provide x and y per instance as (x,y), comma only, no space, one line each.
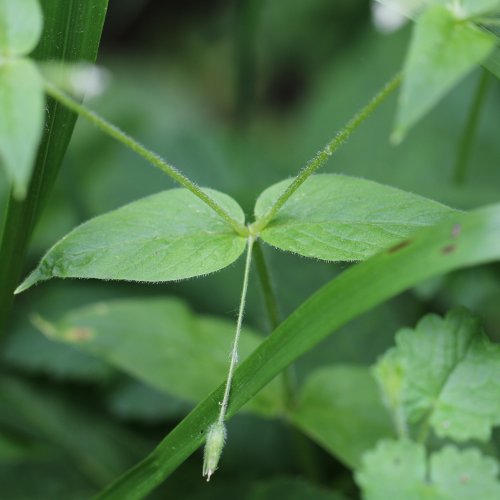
(304,450)
(148,155)
(424,430)
(270,301)
(272,309)
(469,131)
(239,323)
(320,159)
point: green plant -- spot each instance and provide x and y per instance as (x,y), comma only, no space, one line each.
(402,239)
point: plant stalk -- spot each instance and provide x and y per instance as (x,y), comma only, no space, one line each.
(239,323)
(320,159)
(147,154)
(469,131)
(304,450)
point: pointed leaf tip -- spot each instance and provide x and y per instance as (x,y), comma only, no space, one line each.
(31,280)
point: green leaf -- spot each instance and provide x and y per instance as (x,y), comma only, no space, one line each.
(98,448)
(442,51)
(464,474)
(335,217)
(168,236)
(389,374)
(22,105)
(399,469)
(161,342)
(339,407)
(140,402)
(21,25)
(394,469)
(469,239)
(451,375)
(31,352)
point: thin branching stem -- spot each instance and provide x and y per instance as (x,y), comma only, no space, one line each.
(147,154)
(239,323)
(469,131)
(320,159)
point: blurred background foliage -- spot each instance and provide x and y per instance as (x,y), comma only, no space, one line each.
(238,95)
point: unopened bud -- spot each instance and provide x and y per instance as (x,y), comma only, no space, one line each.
(216,437)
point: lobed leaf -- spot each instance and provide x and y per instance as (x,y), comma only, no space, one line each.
(161,342)
(339,218)
(400,469)
(21,23)
(169,236)
(394,469)
(442,51)
(21,102)
(467,240)
(340,408)
(450,374)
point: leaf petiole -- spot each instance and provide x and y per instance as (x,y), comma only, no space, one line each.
(320,159)
(147,154)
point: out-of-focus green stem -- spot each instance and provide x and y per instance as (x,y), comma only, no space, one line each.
(469,132)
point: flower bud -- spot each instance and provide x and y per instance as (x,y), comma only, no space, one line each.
(216,437)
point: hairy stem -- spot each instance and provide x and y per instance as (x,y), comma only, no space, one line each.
(320,159)
(148,155)
(234,352)
(469,131)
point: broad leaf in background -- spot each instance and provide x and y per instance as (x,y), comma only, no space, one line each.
(20,27)
(340,408)
(339,218)
(137,401)
(97,447)
(168,236)
(161,342)
(442,51)
(399,469)
(450,374)
(21,102)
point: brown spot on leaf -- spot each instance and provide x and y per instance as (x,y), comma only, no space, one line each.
(448,249)
(456,230)
(464,478)
(399,246)
(78,334)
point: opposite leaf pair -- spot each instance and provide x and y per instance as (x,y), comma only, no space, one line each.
(174,235)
